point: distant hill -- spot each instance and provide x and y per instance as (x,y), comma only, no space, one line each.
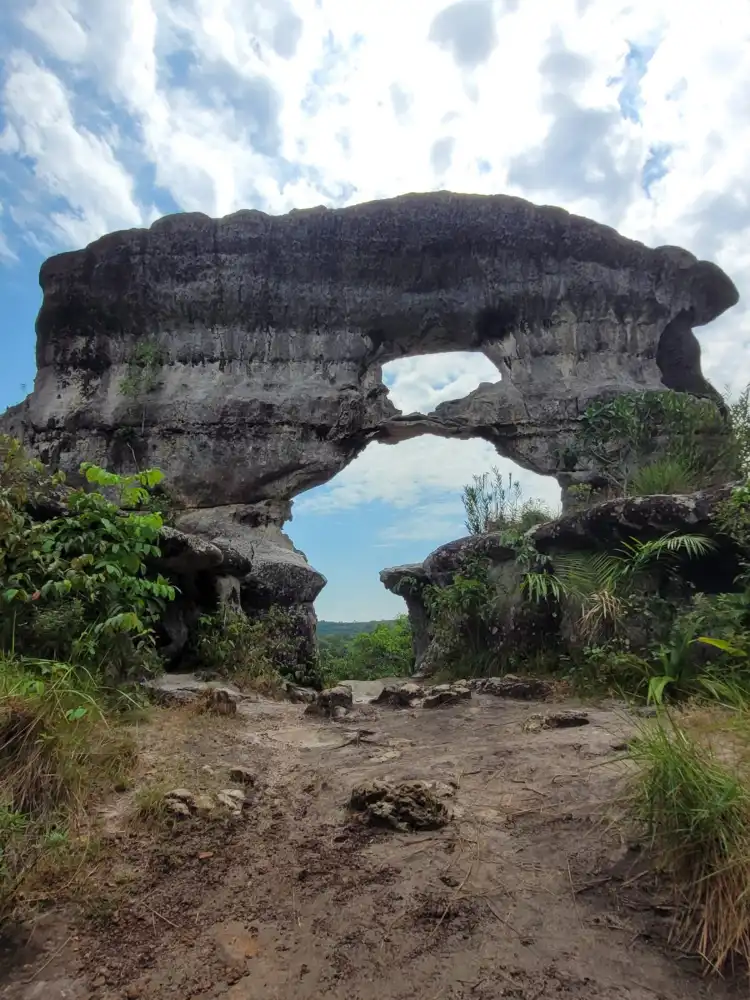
(348,629)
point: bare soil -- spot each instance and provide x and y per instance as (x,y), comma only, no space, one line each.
(529,892)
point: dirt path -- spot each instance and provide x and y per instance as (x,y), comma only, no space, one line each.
(516,897)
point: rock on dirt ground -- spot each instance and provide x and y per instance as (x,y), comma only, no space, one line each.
(512,686)
(186,689)
(404,805)
(527,893)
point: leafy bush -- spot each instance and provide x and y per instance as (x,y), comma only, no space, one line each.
(739,420)
(733,516)
(608,668)
(385,651)
(493,505)
(695,811)
(258,652)
(77,586)
(465,617)
(683,439)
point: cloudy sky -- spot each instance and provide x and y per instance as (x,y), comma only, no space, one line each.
(633,112)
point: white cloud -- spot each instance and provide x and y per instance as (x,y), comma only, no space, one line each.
(418,385)
(434,521)
(54,22)
(415,471)
(6,253)
(291,103)
(71,163)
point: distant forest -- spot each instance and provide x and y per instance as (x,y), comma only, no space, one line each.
(348,629)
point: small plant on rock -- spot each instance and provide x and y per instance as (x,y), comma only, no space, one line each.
(601,583)
(655,441)
(492,504)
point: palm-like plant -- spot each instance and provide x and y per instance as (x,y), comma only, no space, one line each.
(601,583)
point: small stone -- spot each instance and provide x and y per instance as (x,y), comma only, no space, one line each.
(232,799)
(295,693)
(404,806)
(446,694)
(204,805)
(218,701)
(180,801)
(555,720)
(400,695)
(336,697)
(242,775)
(339,713)
(177,808)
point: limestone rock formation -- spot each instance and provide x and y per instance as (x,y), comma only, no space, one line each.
(242,356)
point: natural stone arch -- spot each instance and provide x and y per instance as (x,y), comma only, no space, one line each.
(270,334)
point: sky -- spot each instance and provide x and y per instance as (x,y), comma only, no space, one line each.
(632,112)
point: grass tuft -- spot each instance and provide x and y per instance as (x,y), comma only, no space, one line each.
(150,807)
(58,754)
(695,809)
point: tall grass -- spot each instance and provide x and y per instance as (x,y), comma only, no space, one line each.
(671,474)
(58,751)
(695,810)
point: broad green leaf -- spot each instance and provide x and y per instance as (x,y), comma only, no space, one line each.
(722,645)
(656,689)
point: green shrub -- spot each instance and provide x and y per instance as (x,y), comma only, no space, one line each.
(739,419)
(78,586)
(673,474)
(733,516)
(260,652)
(602,585)
(385,651)
(609,668)
(668,431)
(695,812)
(491,504)
(466,618)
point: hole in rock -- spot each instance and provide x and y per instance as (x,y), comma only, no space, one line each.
(392,505)
(419,384)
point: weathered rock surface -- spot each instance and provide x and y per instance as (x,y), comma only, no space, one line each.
(511,686)
(555,720)
(446,694)
(330,699)
(604,526)
(404,806)
(184,689)
(243,355)
(400,695)
(612,522)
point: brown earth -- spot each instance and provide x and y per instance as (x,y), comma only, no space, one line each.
(529,892)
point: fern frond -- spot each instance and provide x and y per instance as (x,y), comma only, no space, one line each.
(540,587)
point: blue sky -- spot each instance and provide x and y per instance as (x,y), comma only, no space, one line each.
(635,114)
